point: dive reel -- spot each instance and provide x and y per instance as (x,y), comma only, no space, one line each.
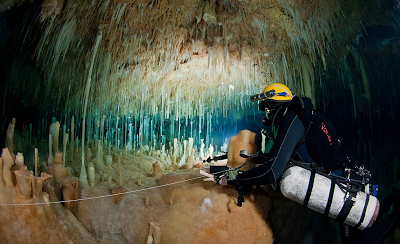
(232,174)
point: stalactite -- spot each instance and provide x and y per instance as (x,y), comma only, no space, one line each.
(307,78)
(62,45)
(83,178)
(353,95)
(361,67)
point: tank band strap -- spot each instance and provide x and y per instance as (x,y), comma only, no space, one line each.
(310,187)
(330,198)
(348,204)
(363,213)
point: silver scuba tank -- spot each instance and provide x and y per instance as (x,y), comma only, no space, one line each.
(317,192)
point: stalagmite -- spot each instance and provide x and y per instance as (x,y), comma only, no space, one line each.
(210,151)
(83,177)
(190,153)
(19,161)
(185,148)
(36,161)
(154,236)
(7,164)
(88,154)
(141,154)
(108,159)
(65,147)
(224,147)
(99,157)
(175,151)
(50,146)
(191,159)
(91,175)
(55,131)
(162,153)
(64,130)
(202,150)
(157,169)
(10,136)
(34,187)
(57,169)
(71,144)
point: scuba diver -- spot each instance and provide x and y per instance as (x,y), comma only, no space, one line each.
(305,136)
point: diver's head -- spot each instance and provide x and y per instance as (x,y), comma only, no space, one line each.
(276,101)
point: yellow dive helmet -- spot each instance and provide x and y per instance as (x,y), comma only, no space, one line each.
(282,92)
(274,98)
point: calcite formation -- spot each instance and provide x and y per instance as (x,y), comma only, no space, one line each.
(189,212)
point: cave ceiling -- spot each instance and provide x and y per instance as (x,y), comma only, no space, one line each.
(143,54)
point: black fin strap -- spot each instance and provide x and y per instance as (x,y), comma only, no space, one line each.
(330,198)
(345,209)
(310,187)
(363,213)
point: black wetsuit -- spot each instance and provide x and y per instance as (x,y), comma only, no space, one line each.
(290,134)
(320,145)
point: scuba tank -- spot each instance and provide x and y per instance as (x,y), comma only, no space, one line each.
(337,198)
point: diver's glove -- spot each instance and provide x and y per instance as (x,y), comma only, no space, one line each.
(221,175)
(218,174)
(228,178)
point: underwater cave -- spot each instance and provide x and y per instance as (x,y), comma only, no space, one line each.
(110,109)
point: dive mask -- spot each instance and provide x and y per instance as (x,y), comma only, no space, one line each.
(270,108)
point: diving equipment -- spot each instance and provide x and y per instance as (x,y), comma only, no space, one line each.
(330,196)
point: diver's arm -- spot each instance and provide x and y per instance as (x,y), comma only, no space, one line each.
(290,133)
